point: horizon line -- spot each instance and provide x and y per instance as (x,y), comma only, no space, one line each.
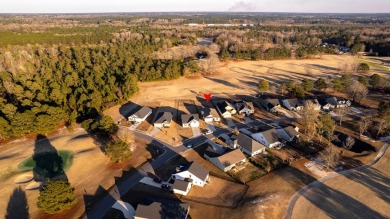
(140,12)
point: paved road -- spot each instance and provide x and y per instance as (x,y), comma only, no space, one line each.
(99,210)
(319,182)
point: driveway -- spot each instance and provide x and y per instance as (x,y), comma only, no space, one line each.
(230,123)
(154,131)
(196,131)
(210,125)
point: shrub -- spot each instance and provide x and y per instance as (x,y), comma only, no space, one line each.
(56,196)
(118,151)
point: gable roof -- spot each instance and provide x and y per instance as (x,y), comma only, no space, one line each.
(196,170)
(186,118)
(295,102)
(231,158)
(248,143)
(181,185)
(209,111)
(143,112)
(163,210)
(291,131)
(271,135)
(164,117)
(332,100)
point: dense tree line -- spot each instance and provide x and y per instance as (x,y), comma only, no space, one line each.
(65,84)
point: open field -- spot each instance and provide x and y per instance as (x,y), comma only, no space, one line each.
(364,194)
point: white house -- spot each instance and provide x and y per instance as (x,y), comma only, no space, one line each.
(210,115)
(289,133)
(181,187)
(190,120)
(198,174)
(269,138)
(244,107)
(338,102)
(249,146)
(164,119)
(140,115)
(226,161)
(226,109)
(293,104)
(271,105)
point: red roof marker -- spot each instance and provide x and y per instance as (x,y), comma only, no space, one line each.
(207,96)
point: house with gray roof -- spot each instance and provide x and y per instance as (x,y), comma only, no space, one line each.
(190,120)
(210,115)
(181,187)
(198,174)
(160,210)
(269,138)
(293,104)
(227,160)
(271,105)
(164,119)
(226,109)
(140,115)
(249,146)
(289,133)
(244,107)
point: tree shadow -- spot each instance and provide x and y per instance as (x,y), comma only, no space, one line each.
(375,180)
(48,163)
(17,207)
(334,203)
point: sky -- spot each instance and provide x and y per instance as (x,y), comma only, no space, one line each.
(88,6)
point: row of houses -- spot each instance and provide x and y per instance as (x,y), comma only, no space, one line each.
(294,104)
(250,142)
(227,109)
(164,119)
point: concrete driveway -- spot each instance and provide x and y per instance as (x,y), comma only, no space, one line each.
(196,131)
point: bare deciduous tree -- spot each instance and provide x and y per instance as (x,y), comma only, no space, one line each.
(349,142)
(208,65)
(331,156)
(342,112)
(364,123)
(357,91)
(309,117)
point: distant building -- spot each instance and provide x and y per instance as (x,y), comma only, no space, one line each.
(140,115)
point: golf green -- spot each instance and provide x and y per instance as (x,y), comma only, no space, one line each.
(66,156)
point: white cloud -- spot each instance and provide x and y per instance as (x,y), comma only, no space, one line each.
(242,6)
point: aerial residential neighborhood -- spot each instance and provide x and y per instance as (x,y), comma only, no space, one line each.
(194,109)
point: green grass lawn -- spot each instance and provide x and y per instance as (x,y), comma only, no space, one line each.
(66,156)
(373,65)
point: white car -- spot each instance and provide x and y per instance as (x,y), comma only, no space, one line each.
(208,132)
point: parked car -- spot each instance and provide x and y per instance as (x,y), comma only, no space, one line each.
(157,180)
(189,146)
(209,132)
